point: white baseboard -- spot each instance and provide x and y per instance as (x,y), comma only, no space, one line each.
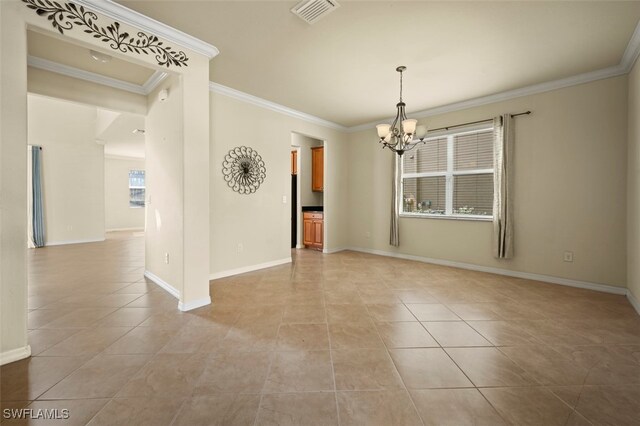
(165,285)
(300,246)
(124,229)
(15,355)
(605,288)
(194,304)
(634,302)
(62,243)
(245,269)
(334,250)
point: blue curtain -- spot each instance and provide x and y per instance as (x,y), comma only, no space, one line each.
(36,182)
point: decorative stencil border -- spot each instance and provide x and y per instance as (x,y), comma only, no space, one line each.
(63,16)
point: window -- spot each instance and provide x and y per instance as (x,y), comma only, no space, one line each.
(136,188)
(450,175)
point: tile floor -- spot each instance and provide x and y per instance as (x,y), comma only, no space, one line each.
(347,338)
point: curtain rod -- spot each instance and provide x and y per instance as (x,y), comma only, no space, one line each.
(476,122)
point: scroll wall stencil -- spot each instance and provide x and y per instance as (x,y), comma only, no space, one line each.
(63,16)
(243,170)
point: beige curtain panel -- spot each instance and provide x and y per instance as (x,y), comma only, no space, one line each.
(503,142)
(394,237)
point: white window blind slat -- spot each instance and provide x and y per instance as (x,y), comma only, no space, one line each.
(468,168)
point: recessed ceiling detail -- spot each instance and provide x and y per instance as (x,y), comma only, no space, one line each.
(63,17)
(311,11)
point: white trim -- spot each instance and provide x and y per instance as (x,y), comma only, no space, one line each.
(15,355)
(587,77)
(124,229)
(244,269)
(140,21)
(92,77)
(62,243)
(184,307)
(153,81)
(122,157)
(162,283)
(632,51)
(334,250)
(605,288)
(634,302)
(73,72)
(263,103)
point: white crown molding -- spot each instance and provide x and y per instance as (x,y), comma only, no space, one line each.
(15,355)
(122,157)
(73,72)
(254,100)
(92,77)
(162,283)
(504,96)
(153,81)
(632,51)
(125,15)
(250,268)
(194,304)
(605,288)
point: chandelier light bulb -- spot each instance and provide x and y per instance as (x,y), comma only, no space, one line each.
(409,125)
(383,130)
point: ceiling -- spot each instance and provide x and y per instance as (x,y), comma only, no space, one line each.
(62,52)
(117,134)
(342,68)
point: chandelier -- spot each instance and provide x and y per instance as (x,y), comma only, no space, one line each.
(399,136)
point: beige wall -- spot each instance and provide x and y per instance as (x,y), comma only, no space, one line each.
(633,185)
(13,179)
(164,183)
(570,189)
(261,221)
(118,214)
(72,169)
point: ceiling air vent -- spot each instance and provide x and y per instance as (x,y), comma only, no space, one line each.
(311,11)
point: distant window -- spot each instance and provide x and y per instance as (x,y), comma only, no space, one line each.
(450,175)
(136,189)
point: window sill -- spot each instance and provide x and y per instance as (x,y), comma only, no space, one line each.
(445,217)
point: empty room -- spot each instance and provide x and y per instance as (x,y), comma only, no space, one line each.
(319,212)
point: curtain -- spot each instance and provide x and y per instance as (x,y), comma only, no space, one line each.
(37,216)
(30,241)
(503,141)
(394,237)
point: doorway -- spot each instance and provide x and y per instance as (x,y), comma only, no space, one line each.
(307,192)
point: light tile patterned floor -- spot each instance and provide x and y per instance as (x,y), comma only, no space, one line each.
(347,338)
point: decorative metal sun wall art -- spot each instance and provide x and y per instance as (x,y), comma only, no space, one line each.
(243,170)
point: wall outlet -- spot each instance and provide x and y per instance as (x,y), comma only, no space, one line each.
(367,235)
(284,199)
(568,256)
(69,227)
(240,247)
(166,258)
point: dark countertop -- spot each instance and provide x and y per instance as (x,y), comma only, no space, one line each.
(312,208)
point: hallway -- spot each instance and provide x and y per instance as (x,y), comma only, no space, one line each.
(347,338)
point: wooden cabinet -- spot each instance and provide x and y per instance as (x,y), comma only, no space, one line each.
(294,162)
(313,230)
(317,169)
